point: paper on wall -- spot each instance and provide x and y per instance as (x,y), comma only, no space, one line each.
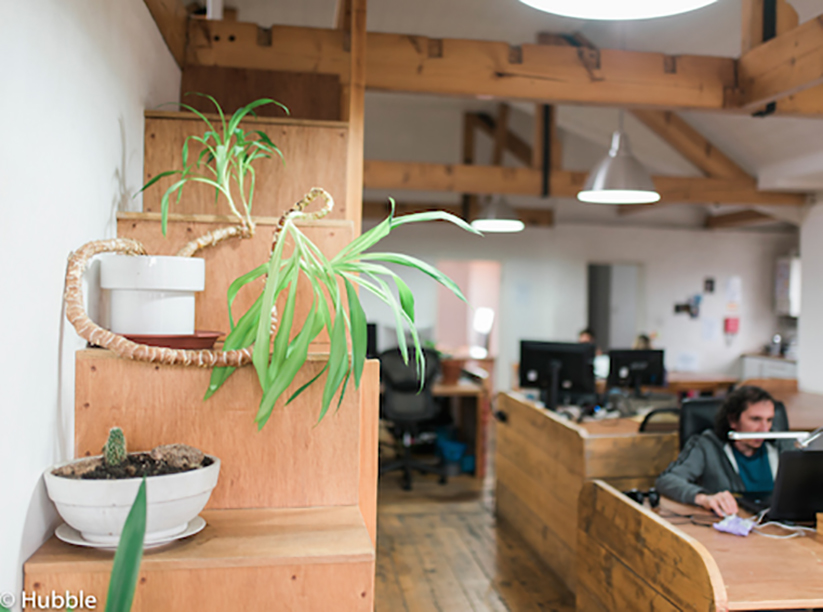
(734,293)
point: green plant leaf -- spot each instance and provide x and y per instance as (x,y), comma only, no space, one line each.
(126,567)
(281,339)
(359,332)
(422,266)
(338,359)
(434,215)
(288,369)
(240,113)
(240,337)
(157,178)
(260,355)
(307,385)
(241,282)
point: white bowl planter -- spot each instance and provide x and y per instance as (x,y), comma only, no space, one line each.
(98,508)
(152,295)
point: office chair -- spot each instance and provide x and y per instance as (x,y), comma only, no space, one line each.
(408,408)
(697,415)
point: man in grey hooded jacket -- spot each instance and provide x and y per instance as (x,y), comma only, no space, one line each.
(711,468)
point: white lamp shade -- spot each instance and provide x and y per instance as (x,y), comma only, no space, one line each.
(496,216)
(619,178)
(617,10)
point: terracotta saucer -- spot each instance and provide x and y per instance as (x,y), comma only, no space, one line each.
(196,341)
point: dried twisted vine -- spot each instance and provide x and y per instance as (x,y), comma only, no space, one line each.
(122,347)
(215,237)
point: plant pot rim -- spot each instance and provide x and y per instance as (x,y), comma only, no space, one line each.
(152,272)
(49,473)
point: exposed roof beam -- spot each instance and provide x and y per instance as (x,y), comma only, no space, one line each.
(527,181)
(172,19)
(501,133)
(342,16)
(532,217)
(691,144)
(785,65)
(518,147)
(806,102)
(397,62)
(742,218)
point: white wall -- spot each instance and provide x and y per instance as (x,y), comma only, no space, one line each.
(810,322)
(543,293)
(76,77)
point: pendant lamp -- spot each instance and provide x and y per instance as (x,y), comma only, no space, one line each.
(497,216)
(619,178)
(617,9)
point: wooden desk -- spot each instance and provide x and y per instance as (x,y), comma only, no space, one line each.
(542,460)
(471,404)
(629,558)
(680,382)
(805,410)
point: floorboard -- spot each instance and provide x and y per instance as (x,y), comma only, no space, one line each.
(439,548)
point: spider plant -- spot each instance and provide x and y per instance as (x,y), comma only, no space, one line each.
(336,308)
(225,158)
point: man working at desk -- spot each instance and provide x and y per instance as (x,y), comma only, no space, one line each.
(710,467)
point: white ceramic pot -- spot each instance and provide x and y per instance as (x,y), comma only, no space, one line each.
(152,295)
(98,508)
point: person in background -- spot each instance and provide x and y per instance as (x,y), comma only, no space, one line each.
(711,468)
(586,336)
(642,342)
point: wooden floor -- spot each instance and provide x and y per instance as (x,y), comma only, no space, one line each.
(439,549)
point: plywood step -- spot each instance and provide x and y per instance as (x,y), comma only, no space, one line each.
(233,258)
(292,462)
(302,559)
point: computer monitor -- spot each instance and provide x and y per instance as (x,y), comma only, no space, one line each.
(636,368)
(798,488)
(371,341)
(563,371)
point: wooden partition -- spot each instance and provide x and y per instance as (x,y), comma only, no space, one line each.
(542,461)
(315,156)
(628,558)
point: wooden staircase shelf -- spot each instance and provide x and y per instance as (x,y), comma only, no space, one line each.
(292,462)
(231,259)
(252,559)
(314,151)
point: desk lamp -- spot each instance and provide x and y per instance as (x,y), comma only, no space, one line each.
(804,438)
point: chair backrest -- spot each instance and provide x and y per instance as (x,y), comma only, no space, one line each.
(402,398)
(697,415)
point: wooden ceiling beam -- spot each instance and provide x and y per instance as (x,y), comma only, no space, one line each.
(172,20)
(785,65)
(691,144)
(342,16)
(518,147)
(742,218)
(532,217)
(501,133)
(473,68)
(808,102)
(527,181)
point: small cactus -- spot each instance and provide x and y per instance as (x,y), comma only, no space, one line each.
(114,452)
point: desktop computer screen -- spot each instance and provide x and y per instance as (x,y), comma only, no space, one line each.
(636,368)
(563,371)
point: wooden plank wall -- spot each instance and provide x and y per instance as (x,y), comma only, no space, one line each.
(631,559)
(292,462)
(315,156)
(231,259)
(542,462)
(307,95)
